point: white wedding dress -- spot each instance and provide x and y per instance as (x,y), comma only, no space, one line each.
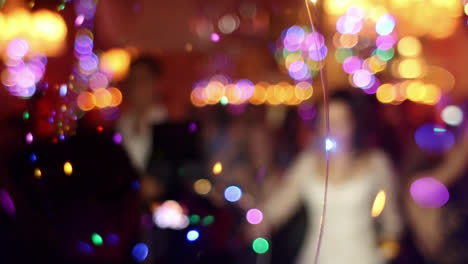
(350,233)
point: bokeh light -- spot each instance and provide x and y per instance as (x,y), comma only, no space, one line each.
(428,192)
(254,216)
(37,173)
(67,168)
(434,139)
(192,235)
(115,63)
(409,46)
(379,204)
(97,239)
(140,252)
(112,239)
(170,215)
(233,193)
(452,115)
(330,144)
(385,24)
(202,186)
(217,168)
(260,245)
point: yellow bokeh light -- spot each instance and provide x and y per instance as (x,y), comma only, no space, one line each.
(409,46)
(217,168)
(283,91)
(379,204)
(86,101)
(115,62)
(432,94)
(49,25)
(466,9)
(67,168)
(202,186)
(415,91)
(293,57)
(303,90)
(260,93)
(37,173)
(231,95)
(103,98)
(410,68)
(348,40)
(375,64)
(196,97)
(116,96)
(213,92)
(271,97)
(386,93)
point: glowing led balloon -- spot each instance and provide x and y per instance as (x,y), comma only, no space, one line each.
(385,24)
(67,168)
(428,192)
(192,235)
(330,144)
(217,168)
(260,245)
(97,239)
(434,139)
(254,216)
(233,193)
(140,252)
(379,204)
(452,115)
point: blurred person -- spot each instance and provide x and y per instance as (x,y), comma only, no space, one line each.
(356,175)
(142,111)
(440,233)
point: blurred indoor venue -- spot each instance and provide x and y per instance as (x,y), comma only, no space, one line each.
(233,131)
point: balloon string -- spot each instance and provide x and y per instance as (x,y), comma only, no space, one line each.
(327,132)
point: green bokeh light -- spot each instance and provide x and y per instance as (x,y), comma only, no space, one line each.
(208,220)
(224,100)
(341,54)
(194,219)
(97,239)
(260,245)
(26,115)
